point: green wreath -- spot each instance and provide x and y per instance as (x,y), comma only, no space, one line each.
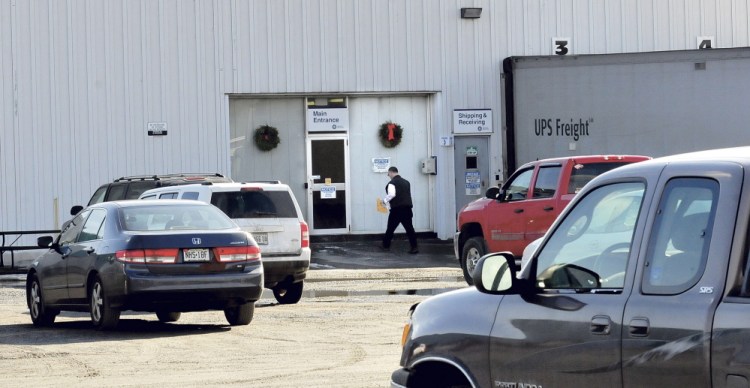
(266,137)
(390,134)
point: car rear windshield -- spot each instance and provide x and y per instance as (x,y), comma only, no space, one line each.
(255,204)
(182,217)
(583,173)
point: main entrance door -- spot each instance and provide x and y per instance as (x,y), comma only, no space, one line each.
(328,184)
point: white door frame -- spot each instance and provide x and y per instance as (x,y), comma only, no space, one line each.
(312,186)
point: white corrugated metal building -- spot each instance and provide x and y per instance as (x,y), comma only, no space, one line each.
(81,81)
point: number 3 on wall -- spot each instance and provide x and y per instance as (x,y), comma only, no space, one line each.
(560,46)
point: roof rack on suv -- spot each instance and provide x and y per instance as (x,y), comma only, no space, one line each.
(271,182)
(167,176)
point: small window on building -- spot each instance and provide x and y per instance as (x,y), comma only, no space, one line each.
(326,102)
(679,243)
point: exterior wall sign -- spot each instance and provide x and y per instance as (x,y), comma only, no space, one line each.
(327,119)
(473,183)
(472,151)
(328,192)
(446,141)
(381,164)
(157,129)
(472,121)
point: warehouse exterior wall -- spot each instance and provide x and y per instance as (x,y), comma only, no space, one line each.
(81,80)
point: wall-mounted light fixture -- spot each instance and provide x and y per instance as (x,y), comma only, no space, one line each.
(471,13)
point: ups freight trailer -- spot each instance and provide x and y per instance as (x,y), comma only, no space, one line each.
(655,103)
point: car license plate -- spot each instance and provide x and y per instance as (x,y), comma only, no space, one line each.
(261,238)
(195,255)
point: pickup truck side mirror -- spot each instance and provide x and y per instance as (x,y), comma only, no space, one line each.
(492,192)
(75,210)
(496,274)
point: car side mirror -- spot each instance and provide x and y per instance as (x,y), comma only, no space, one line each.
(496,274)
(492,192)
(75,210)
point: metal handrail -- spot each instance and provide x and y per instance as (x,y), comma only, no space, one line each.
(13,248)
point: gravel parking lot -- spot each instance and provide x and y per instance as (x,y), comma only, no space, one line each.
(344,333)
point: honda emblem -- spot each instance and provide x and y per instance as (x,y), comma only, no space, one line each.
(196,241)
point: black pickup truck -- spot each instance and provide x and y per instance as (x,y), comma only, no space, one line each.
(643,281)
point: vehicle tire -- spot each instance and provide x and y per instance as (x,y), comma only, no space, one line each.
(168,316)
(240,315)
(288,293)
(41,315)
(103,316)
(474,249)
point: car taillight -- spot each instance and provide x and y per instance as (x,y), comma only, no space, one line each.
(305,234)
(246,253)
(148,256)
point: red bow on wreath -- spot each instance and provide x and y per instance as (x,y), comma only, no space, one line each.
(391,136)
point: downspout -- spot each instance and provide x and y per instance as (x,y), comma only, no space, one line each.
(510,126)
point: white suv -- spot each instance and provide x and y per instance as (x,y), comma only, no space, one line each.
(269,211)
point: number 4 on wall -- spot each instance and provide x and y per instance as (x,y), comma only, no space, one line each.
(561,46)
(705,42)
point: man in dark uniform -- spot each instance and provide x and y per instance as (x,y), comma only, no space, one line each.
(398,199)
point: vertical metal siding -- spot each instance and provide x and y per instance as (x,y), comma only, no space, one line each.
(80,79)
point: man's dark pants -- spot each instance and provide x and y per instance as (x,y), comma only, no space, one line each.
(403,216)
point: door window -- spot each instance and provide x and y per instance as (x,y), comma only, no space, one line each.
(93,228)
(73,228)
(591,247)
(679,243)
(546,182)
(518,187)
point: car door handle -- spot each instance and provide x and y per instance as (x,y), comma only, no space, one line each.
(89,250)
(601,325)
(639,327)
(549,208)
(518,211)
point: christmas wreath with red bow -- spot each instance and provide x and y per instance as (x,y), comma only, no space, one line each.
(390,134)
(266,137)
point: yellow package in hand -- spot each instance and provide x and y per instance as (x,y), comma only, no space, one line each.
(380,206)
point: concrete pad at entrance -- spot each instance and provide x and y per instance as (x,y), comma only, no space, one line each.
(367,253)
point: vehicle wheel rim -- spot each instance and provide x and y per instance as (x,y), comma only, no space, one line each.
(471,259)
(96,302)
(36,300)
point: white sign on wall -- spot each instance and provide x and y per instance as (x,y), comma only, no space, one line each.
(327,119)
(156,129)
(328,192)
(472,121)
(381,164)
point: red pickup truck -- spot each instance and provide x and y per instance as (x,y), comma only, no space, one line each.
(519,212)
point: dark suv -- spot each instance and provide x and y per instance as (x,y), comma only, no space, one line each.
(131,187)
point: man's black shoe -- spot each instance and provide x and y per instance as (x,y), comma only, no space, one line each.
(414,251)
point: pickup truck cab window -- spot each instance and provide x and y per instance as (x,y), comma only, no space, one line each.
(546,181)
(679,242)
(518,188)
(596,236)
